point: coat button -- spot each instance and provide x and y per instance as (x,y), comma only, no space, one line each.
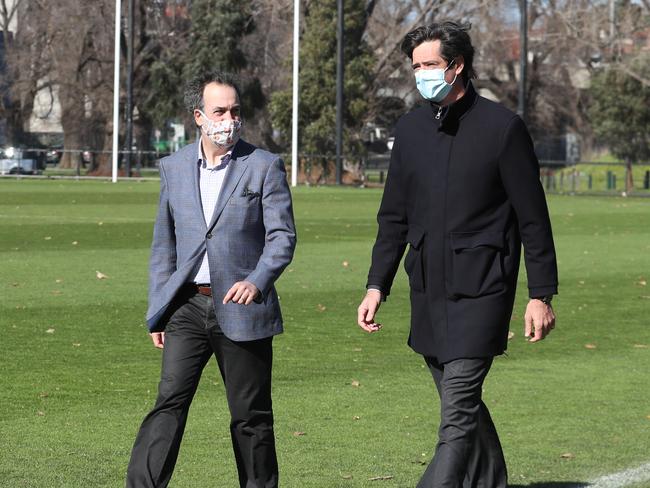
(209,235)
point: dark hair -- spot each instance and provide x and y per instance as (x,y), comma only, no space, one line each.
(454,41)
(193,96)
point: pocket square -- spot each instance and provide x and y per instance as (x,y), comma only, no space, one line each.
(249,193)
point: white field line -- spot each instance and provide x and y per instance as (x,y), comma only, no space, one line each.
(622,478)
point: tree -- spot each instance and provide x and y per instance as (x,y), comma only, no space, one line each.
(318,83)
(620,115)
(26,65)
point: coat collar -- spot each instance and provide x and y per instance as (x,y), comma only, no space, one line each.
(452,113)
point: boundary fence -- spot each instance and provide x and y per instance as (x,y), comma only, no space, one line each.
(559,177)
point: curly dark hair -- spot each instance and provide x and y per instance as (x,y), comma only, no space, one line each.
(193,95)
(454,41)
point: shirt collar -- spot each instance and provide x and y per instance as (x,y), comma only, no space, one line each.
(202,162)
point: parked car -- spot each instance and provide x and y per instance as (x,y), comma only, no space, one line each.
(53,156)
(14,161)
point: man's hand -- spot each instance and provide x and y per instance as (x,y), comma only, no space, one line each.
(242,292)
(367,311)
(539,320)
(158,339)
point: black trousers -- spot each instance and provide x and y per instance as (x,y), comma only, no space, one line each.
(191,337)
(468,453)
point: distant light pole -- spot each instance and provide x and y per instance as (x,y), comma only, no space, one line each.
(116,88)
(523,57)
(339,92)
(129,93)
(294,117)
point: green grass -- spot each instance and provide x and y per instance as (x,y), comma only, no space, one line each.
(72,399)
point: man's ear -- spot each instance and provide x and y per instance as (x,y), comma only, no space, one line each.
(459,65)
(197,117)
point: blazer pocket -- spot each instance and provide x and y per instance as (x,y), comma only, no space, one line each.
(414,261)
(245,197)
(476,264)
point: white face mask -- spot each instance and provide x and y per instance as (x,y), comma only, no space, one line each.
(224,133)
(432,85)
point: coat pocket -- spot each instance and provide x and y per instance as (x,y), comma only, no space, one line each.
(476,264)
(414,261)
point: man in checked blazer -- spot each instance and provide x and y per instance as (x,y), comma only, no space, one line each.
(223,235)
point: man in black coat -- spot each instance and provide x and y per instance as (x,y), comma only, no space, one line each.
(463,191)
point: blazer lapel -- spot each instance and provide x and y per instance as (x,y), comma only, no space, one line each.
(236,169)
(192,162)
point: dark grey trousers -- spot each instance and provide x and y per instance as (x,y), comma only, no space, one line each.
(468,453)
(192,336)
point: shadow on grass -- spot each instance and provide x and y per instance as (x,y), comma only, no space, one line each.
(554,484)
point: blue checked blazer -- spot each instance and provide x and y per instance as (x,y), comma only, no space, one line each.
(251,237)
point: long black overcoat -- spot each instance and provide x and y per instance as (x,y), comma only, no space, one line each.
(463,191)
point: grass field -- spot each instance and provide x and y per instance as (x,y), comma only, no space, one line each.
(79,371)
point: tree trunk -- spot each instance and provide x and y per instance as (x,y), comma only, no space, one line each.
(72,122)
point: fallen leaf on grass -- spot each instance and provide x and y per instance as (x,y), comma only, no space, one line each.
(49,331)
(640,346)
(346,476)
(43,394)
(567,455)
(647,297)
(357,349)
(48,238)
(321,308)
(58,281)
(511,334)
(76,344)
(40,413)
(345,264)
(381,478)
(100,275)
(642,282)
(590,346)
(356,417)
(74,243)
(298,434)
(100,223)
(355,383)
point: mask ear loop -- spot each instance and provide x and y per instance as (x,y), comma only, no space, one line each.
(207,121)
(455,75)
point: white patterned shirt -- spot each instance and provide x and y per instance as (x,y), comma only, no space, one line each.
(210,183)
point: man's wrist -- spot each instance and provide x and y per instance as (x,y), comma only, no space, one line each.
(546,299)
(382,297)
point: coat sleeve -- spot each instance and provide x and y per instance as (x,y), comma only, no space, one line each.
(163,247)
(519,171)
(393,227)
(279,227)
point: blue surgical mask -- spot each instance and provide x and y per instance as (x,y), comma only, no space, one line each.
(432,85)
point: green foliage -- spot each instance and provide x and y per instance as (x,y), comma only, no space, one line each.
(317,124)
(215,36)
(164,100)
(619,112)
(212,41)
